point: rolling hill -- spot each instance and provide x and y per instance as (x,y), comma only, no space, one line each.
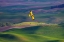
(26,8)
(19,13)
(43,33)
(17,26)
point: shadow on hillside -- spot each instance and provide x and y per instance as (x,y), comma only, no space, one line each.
(53,41)
(30,30)
(8,36)
(26,30)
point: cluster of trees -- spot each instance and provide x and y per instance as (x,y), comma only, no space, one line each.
(2,24)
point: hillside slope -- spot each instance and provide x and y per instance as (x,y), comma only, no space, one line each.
(44,33)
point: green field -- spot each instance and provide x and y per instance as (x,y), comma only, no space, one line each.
(43,33)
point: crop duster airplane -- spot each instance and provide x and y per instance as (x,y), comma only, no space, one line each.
(31,15)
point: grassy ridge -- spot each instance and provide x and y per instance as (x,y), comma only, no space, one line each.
(45,33)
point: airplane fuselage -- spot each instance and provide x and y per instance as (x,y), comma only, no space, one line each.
(31,15)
